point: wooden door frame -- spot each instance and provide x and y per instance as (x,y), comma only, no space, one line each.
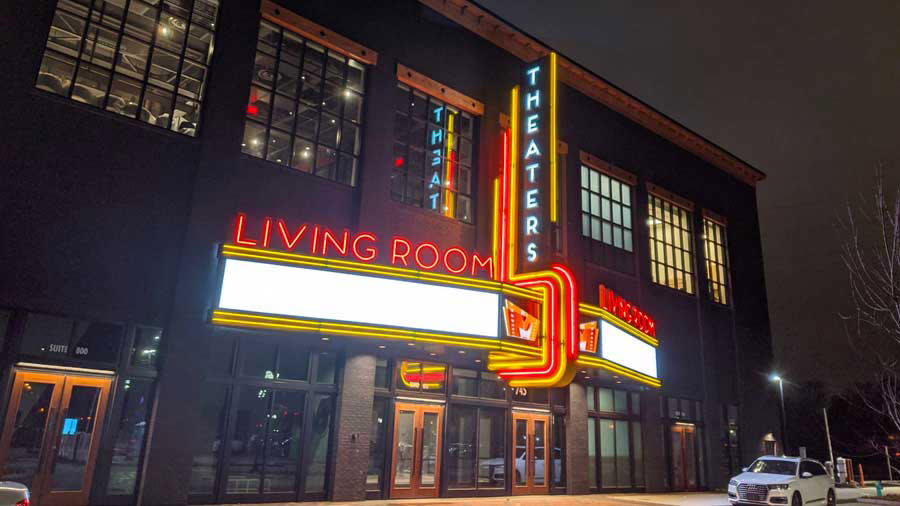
(415,489)
(61,498)
(530,461)
(21,377)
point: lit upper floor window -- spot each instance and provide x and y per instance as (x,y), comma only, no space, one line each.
(715,248)
(606,209)
(305,107)
(432,160)
(671,252)
(144,60)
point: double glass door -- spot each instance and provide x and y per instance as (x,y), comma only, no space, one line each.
(530,470)
(684,457)
(417,450)
(51,435)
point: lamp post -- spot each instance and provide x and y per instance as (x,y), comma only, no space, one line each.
(780,381)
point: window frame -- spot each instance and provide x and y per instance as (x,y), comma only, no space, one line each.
(718,290)
(303,64)
(120,31)
(588,216)
(658,209)
(403,146)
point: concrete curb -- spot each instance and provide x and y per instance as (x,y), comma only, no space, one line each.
(868,500)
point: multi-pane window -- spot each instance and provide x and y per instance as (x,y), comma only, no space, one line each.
(432,161)
(144,60)
(305,107)
(714,245)
(671,253)
(606,209)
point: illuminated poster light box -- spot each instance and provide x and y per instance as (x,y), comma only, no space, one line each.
(623,348)
(353,298)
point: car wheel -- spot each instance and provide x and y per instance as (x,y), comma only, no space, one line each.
(796,500)
(831,501)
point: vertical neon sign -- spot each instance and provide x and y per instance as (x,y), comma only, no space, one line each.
(537,162)
(435,147)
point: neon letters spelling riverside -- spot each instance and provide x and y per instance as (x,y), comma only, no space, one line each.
(321,241)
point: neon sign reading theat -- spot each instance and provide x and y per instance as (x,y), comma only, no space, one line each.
(363,246)
(301,292)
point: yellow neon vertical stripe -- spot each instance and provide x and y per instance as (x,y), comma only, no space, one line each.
(513,179)
(553,177)
(448,176)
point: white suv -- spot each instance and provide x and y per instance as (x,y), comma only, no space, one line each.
(782,480)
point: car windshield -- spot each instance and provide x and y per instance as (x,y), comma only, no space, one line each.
(772,466)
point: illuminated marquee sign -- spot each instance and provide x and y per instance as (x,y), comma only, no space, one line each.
(310,279)
(627,312)
(363,246)
(537,161)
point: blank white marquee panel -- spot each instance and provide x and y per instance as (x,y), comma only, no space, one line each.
(622,348)
(327,295)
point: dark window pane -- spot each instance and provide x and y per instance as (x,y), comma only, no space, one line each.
(293,362)
(377,443)
(132,57)
(284,441)
(47,336)
(279,150)
(322,407)
(264,70)
(56,74)
(330,128)
(356,76)
(304,155)
(288,79)
(326,368)
(350,138)
(307,121)
(491,447)
(382,380)
(291,48)
(492,386)
(254,141)
(221,356)
(157,107)
(621,401)
(313,58)
(65,33)
(28,434)
(247,443)
(258,359)
(131,435)
(186,117)
(605,400)
(90,85)
(207,439)
(124,96)
(145,349)
(346,171)
(325,162)
(259,104)
(98,342)
(461,449)
(465,382)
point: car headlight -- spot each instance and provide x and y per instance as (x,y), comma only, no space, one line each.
(732,483)
(779,486)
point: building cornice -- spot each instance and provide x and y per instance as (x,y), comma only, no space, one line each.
(517,43)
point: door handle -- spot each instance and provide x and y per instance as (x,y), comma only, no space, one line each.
(50,427)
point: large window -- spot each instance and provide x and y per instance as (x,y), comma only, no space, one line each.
(606,209)
(671,252)
(305,107)
(715,248)
(433,152)
(615,450)
(144,60)
(265,428)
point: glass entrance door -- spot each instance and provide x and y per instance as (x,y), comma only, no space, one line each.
(530,436)
(416,461)
(684,461)
(51,435)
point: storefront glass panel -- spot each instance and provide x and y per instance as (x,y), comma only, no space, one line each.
(131,435)
(207,438)
(607,453)
(247,441)
(623,455)
(319,443)
(491,447)
(377,445)
(461,433)
(283,442)
(592,452)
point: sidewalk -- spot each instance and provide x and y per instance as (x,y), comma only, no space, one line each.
(692,499)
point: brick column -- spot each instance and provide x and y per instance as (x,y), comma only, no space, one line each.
(653,432)
(354,420)
(577,481)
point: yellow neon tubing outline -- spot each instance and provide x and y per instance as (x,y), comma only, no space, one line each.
(553,176)
(618,322)
(447,192)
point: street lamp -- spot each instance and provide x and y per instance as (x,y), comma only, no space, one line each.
(780,381)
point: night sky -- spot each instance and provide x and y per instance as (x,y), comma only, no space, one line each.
(808,92)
